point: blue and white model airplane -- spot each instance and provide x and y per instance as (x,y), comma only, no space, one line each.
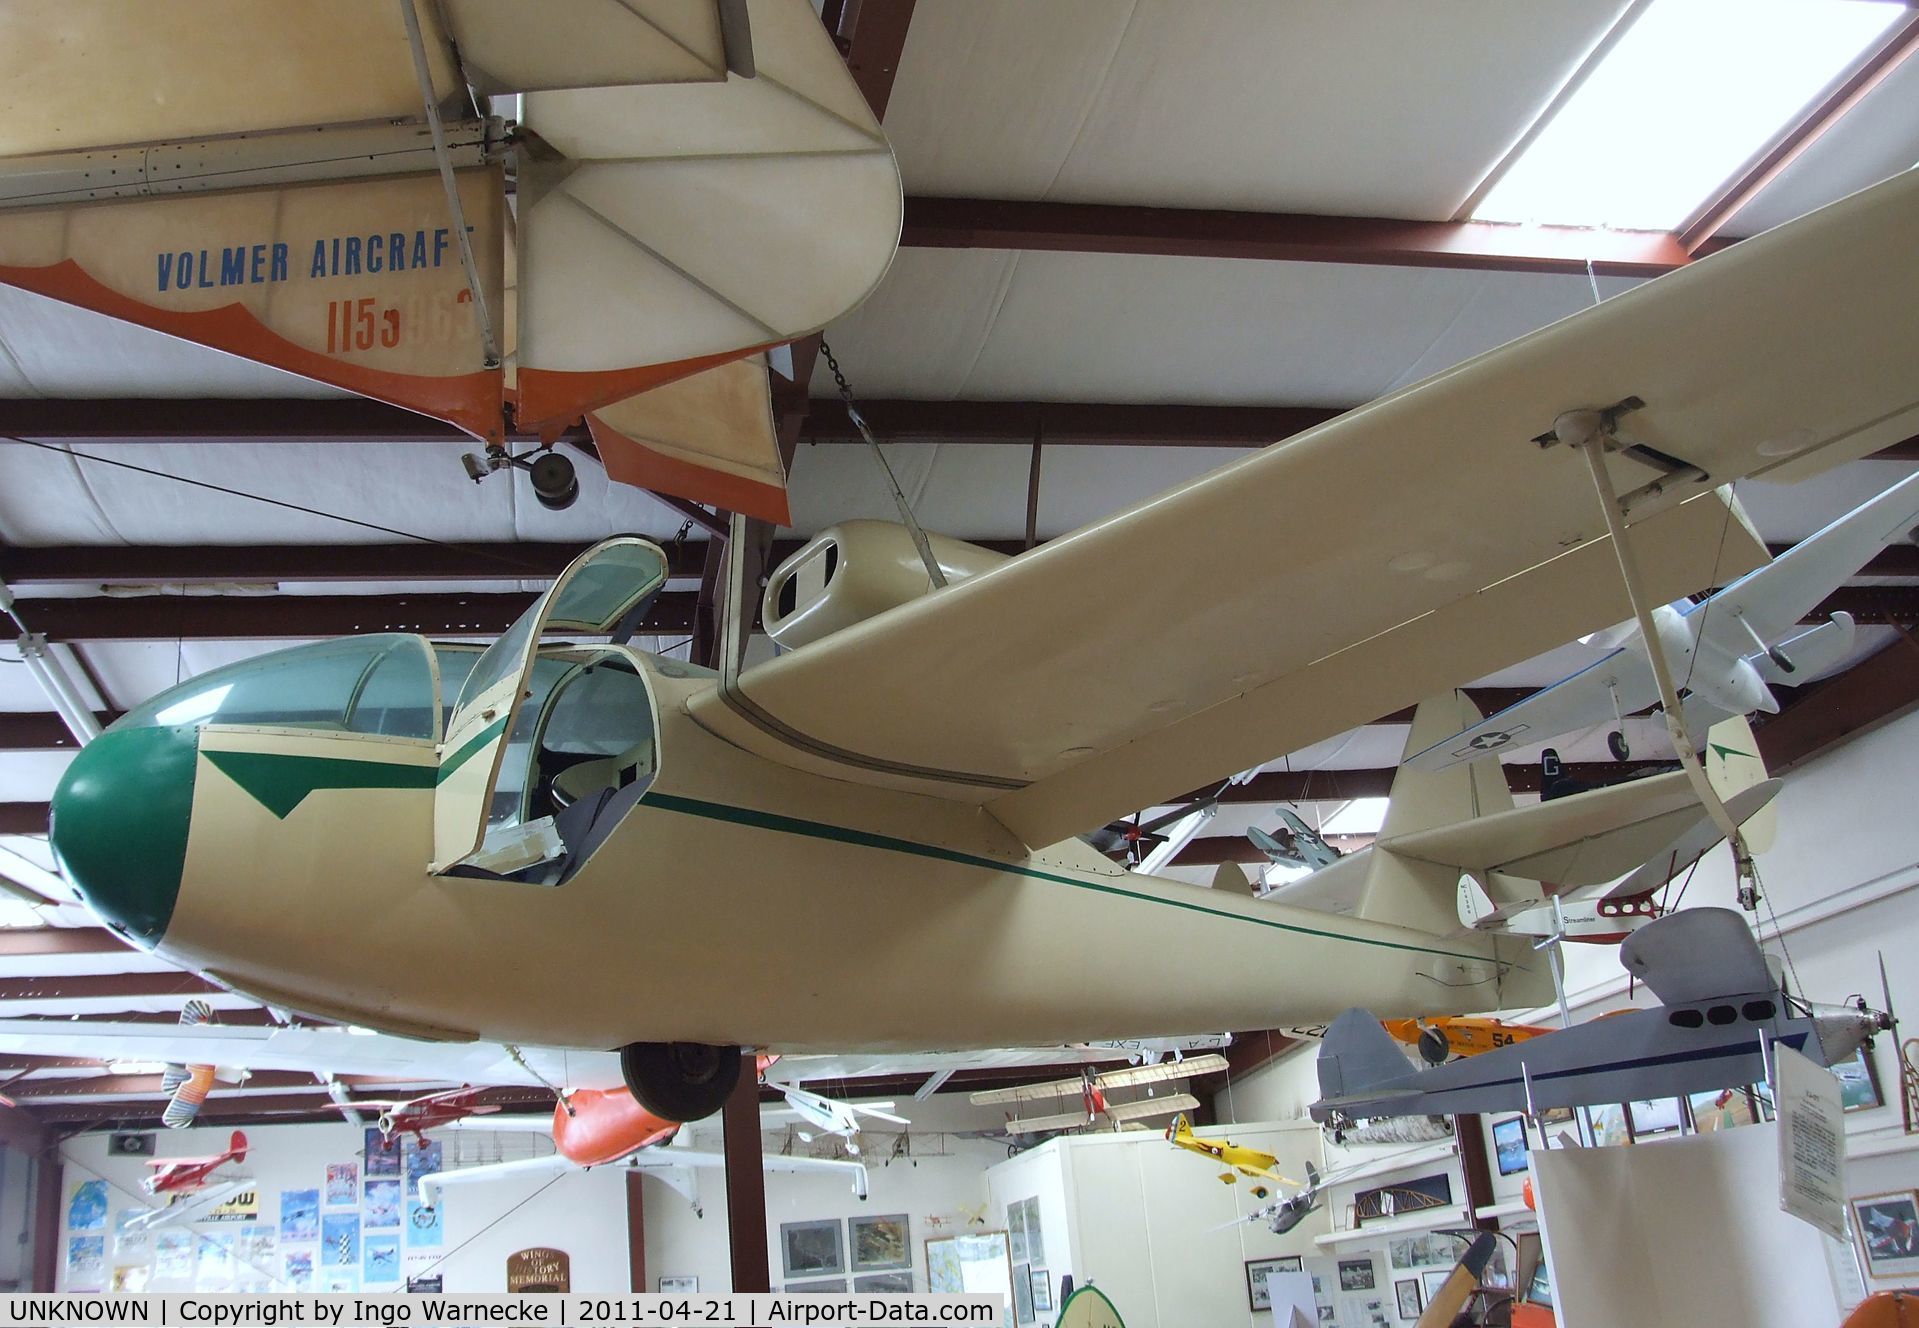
(1727,651)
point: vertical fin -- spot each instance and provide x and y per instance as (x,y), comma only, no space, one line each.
(1232,878)
(1423,800)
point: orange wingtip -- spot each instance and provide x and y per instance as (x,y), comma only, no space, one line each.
(629,461)
(557,396)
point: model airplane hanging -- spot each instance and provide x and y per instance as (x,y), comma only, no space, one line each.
(593,1127)
(832,1116)
(183,1175)
(1443,1037)
(1718,999)
(1298,845)
(1732,647)
(1238,1159)
(1095,1107)
(601,848)
(694,182)
(1282,1215)
(415,1116)
(187,1086)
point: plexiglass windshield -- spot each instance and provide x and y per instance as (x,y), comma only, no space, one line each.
(358,684)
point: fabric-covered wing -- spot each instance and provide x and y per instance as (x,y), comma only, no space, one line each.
(1574,702)
(1191,1067)
(1408,546)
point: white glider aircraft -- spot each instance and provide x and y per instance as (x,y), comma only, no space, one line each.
(1729,649)
(599,848)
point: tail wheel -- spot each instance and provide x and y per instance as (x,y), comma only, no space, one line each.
(1616,744)
(1433,1047)
(680,1081)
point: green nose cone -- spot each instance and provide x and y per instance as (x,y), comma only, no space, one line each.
(120,825)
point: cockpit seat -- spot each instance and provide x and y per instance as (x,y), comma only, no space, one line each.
(579,782)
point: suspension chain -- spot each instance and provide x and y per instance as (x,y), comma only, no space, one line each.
(933,573)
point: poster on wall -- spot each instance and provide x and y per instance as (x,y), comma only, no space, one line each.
(382,1260)
(135,1246)
(87,1210)
(383,1205)
(339,1242)
(339,1279)
(173,1256)
(86,1263)
(382,1154)
(299,1216)
(342,1184)
(881,1244)
(241,1207)
(129,1279)
(420,1160)
(540,1268)
(214,1272)
(423,1228)
(296,1270)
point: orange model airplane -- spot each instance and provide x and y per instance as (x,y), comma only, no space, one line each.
(1442,1037)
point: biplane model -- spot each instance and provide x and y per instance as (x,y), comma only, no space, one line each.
(1238,1159)
(580,844)
(1095,1107)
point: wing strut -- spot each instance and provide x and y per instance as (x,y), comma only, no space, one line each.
(489,341)
(1590,433)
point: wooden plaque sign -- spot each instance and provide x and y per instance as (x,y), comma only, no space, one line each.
(539,1269)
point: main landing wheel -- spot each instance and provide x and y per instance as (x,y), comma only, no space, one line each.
(1616,744)
(680,1081)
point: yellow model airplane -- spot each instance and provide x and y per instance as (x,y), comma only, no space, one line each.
(869,842)
(1239,1159)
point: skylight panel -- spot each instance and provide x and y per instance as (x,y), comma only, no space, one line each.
(1692,90)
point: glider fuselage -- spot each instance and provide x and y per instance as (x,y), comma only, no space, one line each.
(737,902)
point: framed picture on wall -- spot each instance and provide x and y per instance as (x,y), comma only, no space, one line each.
(1858,1082)
(1658,1116)
(884,1283)
(1356,1275)
(1889,1232)
(811,1249)
(1022,1293)
(1042,1291)
(680,1286)
(1406,1293)
(1510,1146)
(1258,1295)
(1431,1280)
(880,1244)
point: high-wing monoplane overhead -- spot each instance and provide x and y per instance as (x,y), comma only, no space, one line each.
(600,848)
(325,189)
(1733,647)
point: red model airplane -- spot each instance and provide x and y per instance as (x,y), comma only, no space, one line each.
(421,1114)
(184,1175)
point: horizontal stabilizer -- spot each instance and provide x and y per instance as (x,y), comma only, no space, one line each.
(1696,842)
(1359,1056)
(1699,954)
(1586,839)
